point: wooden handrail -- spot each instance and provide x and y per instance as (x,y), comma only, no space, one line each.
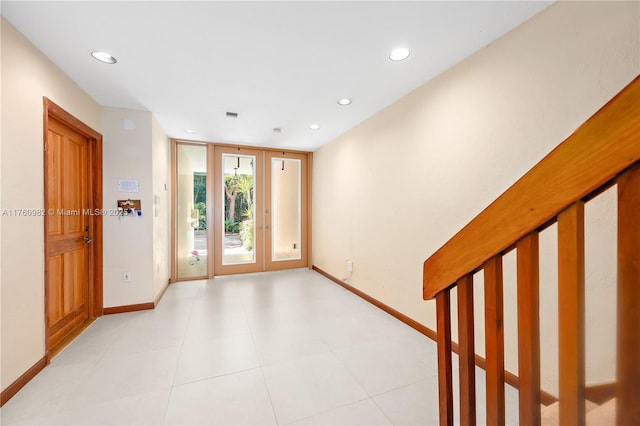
(604,146)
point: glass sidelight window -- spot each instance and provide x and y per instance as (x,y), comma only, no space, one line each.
(191,211)
(285,209)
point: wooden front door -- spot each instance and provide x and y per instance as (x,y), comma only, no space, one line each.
(68,239)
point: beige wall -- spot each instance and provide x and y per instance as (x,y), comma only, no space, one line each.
(388,193)
(128,240)
(134,146)
(161,172)
(2,385)
(27,76)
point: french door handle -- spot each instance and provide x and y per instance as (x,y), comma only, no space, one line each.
(88,240)
(267,227)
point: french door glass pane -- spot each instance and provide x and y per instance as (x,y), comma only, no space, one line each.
(285,209)
(239,209)
(191,238)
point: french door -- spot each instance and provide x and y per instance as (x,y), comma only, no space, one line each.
(260,210)
(251,217)
(238,218)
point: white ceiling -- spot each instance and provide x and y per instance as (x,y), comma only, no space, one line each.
(277,64)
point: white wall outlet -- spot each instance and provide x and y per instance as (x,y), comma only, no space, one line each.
(349,265)
(126,277)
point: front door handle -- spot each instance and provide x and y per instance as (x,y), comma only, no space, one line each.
(88,240)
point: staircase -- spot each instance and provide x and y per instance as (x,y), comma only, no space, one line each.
(602,153)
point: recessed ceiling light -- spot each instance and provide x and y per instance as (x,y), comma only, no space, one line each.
(314,126)
(399,54)
(190,131)
(344,101)
(104,57)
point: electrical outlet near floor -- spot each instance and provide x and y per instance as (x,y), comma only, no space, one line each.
(348,265)
(126,277)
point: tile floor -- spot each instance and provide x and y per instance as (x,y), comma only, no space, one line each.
(282,348)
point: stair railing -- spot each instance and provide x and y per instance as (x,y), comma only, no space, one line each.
(603,152)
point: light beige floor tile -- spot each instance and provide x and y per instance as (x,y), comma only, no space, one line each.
(364,413)
(309,386)
(415,404)
(287,343)
(234,399)
(210,358)
(382,365)
(290,346)
(125,376)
